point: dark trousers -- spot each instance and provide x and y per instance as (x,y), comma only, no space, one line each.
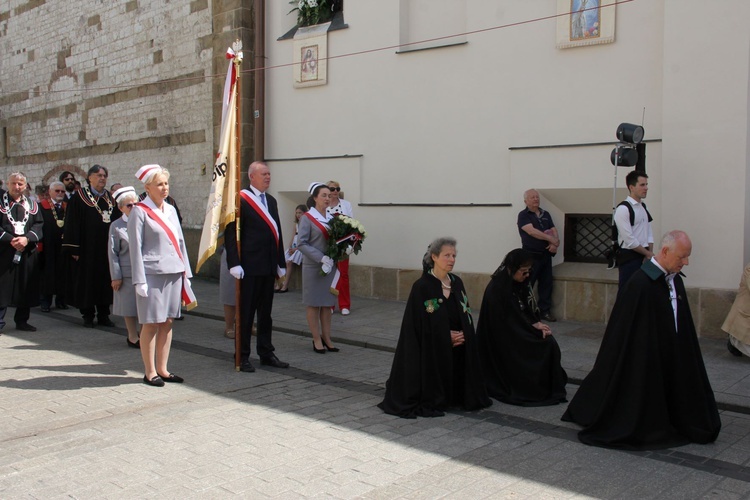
(541,274)
(257,297)
(46,300)
(627,269)
(21,315)
(101,311)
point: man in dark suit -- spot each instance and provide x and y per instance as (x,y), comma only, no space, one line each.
(258,264)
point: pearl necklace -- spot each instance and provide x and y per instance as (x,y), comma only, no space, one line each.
(442,284)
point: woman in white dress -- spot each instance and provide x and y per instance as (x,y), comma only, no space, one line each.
(119,265)
(293,256)
(160,272)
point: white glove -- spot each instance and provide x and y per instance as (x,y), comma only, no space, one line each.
(349,250)
(326,264)
(142,289)
(237,272)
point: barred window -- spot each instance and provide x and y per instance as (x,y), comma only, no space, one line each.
(587,237)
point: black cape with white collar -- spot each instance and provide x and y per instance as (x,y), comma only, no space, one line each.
(648,388)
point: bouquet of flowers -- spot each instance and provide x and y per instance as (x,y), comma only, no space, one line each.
(310,12)
(345,237)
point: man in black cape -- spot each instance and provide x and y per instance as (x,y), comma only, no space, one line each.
(52,279)
(89,214)
(520,357)
(20,231)
(430,375)
(648,388)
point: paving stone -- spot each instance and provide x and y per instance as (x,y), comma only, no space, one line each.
(83,425)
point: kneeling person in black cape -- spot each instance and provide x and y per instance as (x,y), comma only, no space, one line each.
(648,388)
(520,357)
(436,365)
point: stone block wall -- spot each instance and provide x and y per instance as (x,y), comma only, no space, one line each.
(121,84)
(582,292)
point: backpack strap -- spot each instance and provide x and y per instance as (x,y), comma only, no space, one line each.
(632,218)
(630,211)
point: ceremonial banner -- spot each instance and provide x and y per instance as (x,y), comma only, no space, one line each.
(222,197)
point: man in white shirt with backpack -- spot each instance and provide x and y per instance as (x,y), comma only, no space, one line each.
(633,227)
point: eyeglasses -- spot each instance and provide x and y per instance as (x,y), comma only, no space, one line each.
(335,188)
(130,205)
(58,190)
(69,179)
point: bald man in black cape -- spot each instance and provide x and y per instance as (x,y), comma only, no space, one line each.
(648,388)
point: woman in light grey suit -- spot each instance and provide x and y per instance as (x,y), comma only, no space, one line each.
(160,264)
(316,287)
(119,265)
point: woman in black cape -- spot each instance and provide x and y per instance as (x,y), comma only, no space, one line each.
(436,365)
(520,357)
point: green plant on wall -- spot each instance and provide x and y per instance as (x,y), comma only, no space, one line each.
(310,12)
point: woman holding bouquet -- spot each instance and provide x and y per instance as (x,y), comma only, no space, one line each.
(317,268)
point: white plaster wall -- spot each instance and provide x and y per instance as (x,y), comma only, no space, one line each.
(705,101)
(436,126)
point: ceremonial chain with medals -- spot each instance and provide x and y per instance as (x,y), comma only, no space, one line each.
(60,223)
(106,216)
(18,226)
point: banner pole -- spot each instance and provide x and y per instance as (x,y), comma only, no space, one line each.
(237,187)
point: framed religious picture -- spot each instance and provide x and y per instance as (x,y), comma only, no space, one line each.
(310,56)
(585,22)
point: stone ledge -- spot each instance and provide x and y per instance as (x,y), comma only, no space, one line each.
(582,292)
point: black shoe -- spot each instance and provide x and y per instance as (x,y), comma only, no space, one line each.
(88,323)
(25,327)
(134,345)
(247,367)
(272,360)
(106,322)
(156,381)
(319,351)
(172,378)
(62,306)
(179,318)
(548,316)
(733,350)
(45,309)
(332,349)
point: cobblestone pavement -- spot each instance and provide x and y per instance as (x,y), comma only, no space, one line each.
(78,422)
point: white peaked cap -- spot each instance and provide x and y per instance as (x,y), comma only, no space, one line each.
(122,192)
(313,185)
(146,172)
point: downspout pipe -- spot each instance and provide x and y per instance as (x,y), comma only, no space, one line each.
(259,129)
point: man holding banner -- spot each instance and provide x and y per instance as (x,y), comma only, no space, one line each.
(258,264)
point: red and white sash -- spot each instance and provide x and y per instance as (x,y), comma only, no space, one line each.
(262,210)
(317,222)
(188,297)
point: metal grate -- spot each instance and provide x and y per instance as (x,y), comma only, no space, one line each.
(587,237)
